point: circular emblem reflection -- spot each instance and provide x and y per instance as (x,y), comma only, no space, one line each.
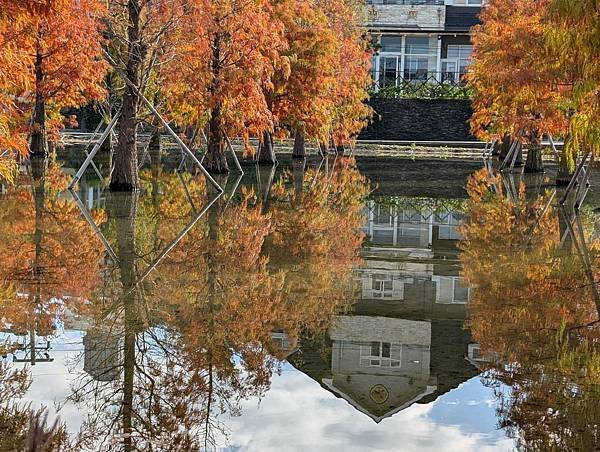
(379,394)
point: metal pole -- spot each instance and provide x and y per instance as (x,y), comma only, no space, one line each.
(95,149)
(518,148)
(556,153)
(508,155)
(90,220)
(175,241)
(235,187)
(85,150)
(237,162)
(574,179)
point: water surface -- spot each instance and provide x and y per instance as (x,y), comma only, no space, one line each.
(326,306)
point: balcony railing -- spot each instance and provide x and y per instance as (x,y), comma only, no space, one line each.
(424,85)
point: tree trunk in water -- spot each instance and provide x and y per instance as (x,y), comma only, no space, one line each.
(122,209)
(265,176)
(39,138)
(154,149)
(266,153)
(566,168)
(534,162)
(504,147)
(298,167)
(216,161)
(125,174)
(299,151)
(39,165)
(519,159)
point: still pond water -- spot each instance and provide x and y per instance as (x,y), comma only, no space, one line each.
(325,307)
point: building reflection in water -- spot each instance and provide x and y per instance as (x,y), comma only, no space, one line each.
(404,341)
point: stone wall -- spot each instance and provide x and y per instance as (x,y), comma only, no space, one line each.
(419,120)
(406,16)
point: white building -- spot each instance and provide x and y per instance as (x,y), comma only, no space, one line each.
(421,40)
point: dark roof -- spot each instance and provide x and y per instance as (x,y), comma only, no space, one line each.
(461,18)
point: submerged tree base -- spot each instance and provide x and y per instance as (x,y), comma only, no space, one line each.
(217,170)
(122,187)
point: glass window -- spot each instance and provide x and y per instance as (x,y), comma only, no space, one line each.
(416,59)
(417,45)
(385,349)
(380,354)
(461,292)
(375,348)
(391,44)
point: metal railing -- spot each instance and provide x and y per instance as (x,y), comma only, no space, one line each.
(427,84)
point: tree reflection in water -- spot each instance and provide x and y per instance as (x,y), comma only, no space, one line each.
(50,264)
(186,313)
(533,312)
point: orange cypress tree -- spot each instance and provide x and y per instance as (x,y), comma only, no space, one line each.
(216,81)
(349,112)
(572,30)
(51,58)
(516,92)
(320,94)
(297,95)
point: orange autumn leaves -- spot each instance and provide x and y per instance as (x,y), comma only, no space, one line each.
(47,251)
(516,90)
(271,67)
(246,68)
(533,314)
(535,71)
(244,273)
(64,36)
(526,285)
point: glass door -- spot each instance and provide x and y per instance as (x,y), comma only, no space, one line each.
(388,71)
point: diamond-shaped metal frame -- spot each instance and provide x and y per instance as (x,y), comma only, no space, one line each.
(158,116)
(87,215)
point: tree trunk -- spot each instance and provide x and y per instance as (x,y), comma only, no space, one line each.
(216,161)
(534,163)
(39,166)
(122,209)
(39,138)
(125,174)
(264,177)
(299,151)
(266,153)
(154,149)
(504,147)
